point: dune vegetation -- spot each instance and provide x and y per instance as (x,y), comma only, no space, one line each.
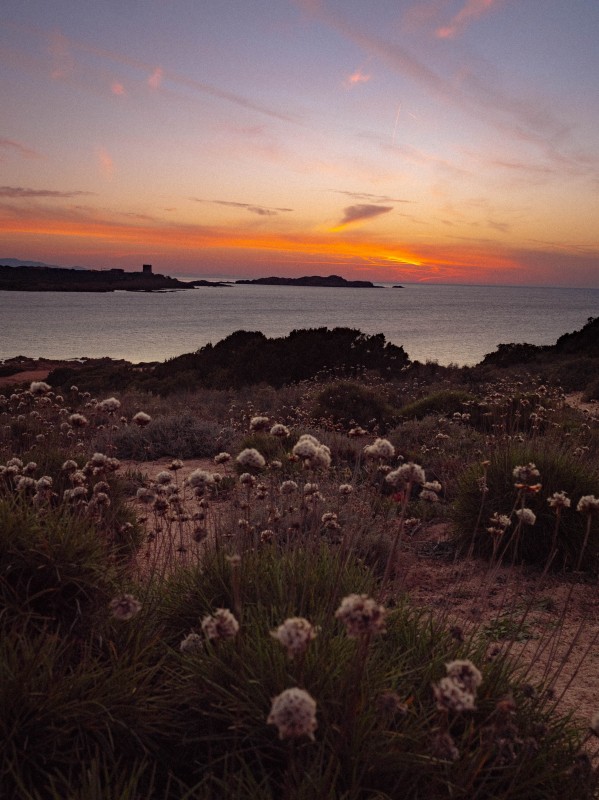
(217,575)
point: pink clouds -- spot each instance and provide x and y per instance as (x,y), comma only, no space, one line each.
(356,78)
(155,78)
(117,88)
(17,147)
(106,162)
(472,9)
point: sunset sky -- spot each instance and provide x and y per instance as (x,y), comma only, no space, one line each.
(390,140)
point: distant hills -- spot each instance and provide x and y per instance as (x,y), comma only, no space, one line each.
(17,262)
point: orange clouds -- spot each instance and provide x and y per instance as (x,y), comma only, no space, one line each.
(212,246)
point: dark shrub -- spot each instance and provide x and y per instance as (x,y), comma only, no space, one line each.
(347,403)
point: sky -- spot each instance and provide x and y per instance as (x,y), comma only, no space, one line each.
(443,141)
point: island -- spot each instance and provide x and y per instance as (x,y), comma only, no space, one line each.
(334,281)
(62,279)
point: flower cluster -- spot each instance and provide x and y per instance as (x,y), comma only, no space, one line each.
(125,607)
(295,634)
(407,474)
(361,615)
(220,625)
(294,714)
(250,458)
(381,449)
(457,691)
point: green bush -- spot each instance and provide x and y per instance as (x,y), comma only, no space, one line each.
(54,567)
(559,471)
(176,435)
(445,402)
(348,403)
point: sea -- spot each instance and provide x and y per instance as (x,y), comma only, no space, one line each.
(449,324)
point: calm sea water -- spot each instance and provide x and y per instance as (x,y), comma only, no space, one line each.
(448,324)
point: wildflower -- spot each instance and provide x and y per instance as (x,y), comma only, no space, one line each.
(78,420)
(251,459)
(407,473)
(527,473)
(432,486)
(199,479)
(294,713)
(101,499)
(110,405)
(29,468)
(191,644)
(559,500)
(145,495)
(247,479)
(451,697)
(141,418)
(175,465)
(361,615)
(69,466)
(222,458)
(310,489)
(288,487)
(44,483)
(221,625)
(39,388)
(588,504)
(282,431)
(429,496)
(381,448)
(99,460)
(125,607)
(501,520)
(295,634)
(465,674)
(345,488)
(78,493)
(259,423)
(457,691)
(23,483)
(306,447)
(267,536)
(526,516)
(321,458)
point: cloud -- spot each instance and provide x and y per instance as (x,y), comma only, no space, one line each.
(471,10)
(117,88)
(155,78)
(19,192)
(355,78)
(377,198)
(106,162)
(475,93)
(358,213)
(262,211)
(21,149)
(63,63)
